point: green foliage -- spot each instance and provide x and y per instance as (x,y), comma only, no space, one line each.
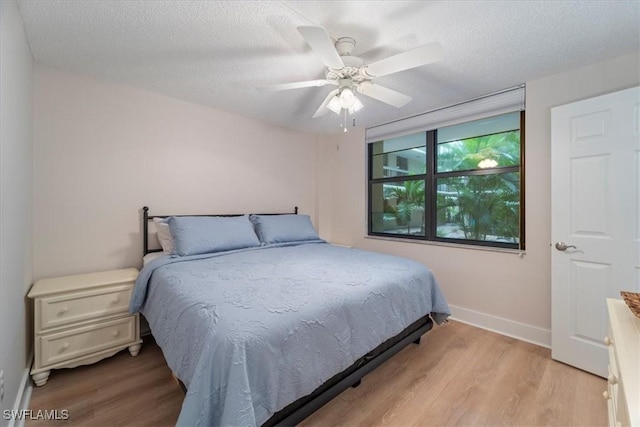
(409,198)
(483,207)
(468,153)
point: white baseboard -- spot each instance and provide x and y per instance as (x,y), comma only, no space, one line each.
(510,328)
(23,398)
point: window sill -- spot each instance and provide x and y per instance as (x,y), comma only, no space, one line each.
(518,252)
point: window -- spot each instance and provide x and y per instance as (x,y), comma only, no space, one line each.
(460,184)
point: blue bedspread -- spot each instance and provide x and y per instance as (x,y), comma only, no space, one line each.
(251,331)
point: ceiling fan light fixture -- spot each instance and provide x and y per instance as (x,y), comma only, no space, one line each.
(347,98)
(357,105)
(334,105)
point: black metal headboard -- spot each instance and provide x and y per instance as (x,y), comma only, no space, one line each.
(146,218)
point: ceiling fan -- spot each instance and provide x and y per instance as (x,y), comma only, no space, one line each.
(350,74)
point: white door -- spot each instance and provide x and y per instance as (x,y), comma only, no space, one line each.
(595,197)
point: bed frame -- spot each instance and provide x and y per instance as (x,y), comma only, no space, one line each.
(297,411)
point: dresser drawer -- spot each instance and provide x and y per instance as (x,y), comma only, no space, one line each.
(62,346)
(623,344)
(55,311)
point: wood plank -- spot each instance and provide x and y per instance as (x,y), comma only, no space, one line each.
(458,375)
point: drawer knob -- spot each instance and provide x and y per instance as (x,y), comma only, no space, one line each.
(608,341)
(64,347)
(606,395)
(115,300)
(116,333)
(64,311)
(612,379)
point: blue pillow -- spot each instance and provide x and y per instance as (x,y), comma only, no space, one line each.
(284,228)
(200,235)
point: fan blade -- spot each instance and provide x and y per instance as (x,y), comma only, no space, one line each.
(320,42)
(417,57)
(323,107)
(384,94)
(296,85)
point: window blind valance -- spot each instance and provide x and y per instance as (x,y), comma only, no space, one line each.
(505,101)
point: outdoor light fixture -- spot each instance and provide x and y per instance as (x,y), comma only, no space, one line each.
(487,163)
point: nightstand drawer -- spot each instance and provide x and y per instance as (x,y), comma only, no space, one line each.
(61,346)
(76,307)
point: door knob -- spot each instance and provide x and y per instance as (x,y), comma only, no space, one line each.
(562,246)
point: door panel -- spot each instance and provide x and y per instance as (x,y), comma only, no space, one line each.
(590,193)
(590,283)
(592,127)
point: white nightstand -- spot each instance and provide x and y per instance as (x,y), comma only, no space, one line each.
(82,319)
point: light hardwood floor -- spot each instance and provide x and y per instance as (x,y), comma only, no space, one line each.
(458,375)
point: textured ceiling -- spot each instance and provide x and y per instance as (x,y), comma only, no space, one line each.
(217,52)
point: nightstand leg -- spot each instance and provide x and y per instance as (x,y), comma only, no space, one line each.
(41,378)
(135,349)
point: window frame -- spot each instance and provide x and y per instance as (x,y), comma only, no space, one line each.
(430,206)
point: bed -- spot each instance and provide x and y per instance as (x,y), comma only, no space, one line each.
(266,330)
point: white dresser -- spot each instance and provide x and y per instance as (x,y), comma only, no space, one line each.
(81,319)
(623,389)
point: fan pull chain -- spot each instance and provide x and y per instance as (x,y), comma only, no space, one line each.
(344,120)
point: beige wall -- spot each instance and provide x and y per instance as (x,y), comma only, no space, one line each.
(102,151)
(496,290)
(16,155)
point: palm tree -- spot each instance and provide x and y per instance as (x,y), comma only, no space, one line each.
(409,199)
